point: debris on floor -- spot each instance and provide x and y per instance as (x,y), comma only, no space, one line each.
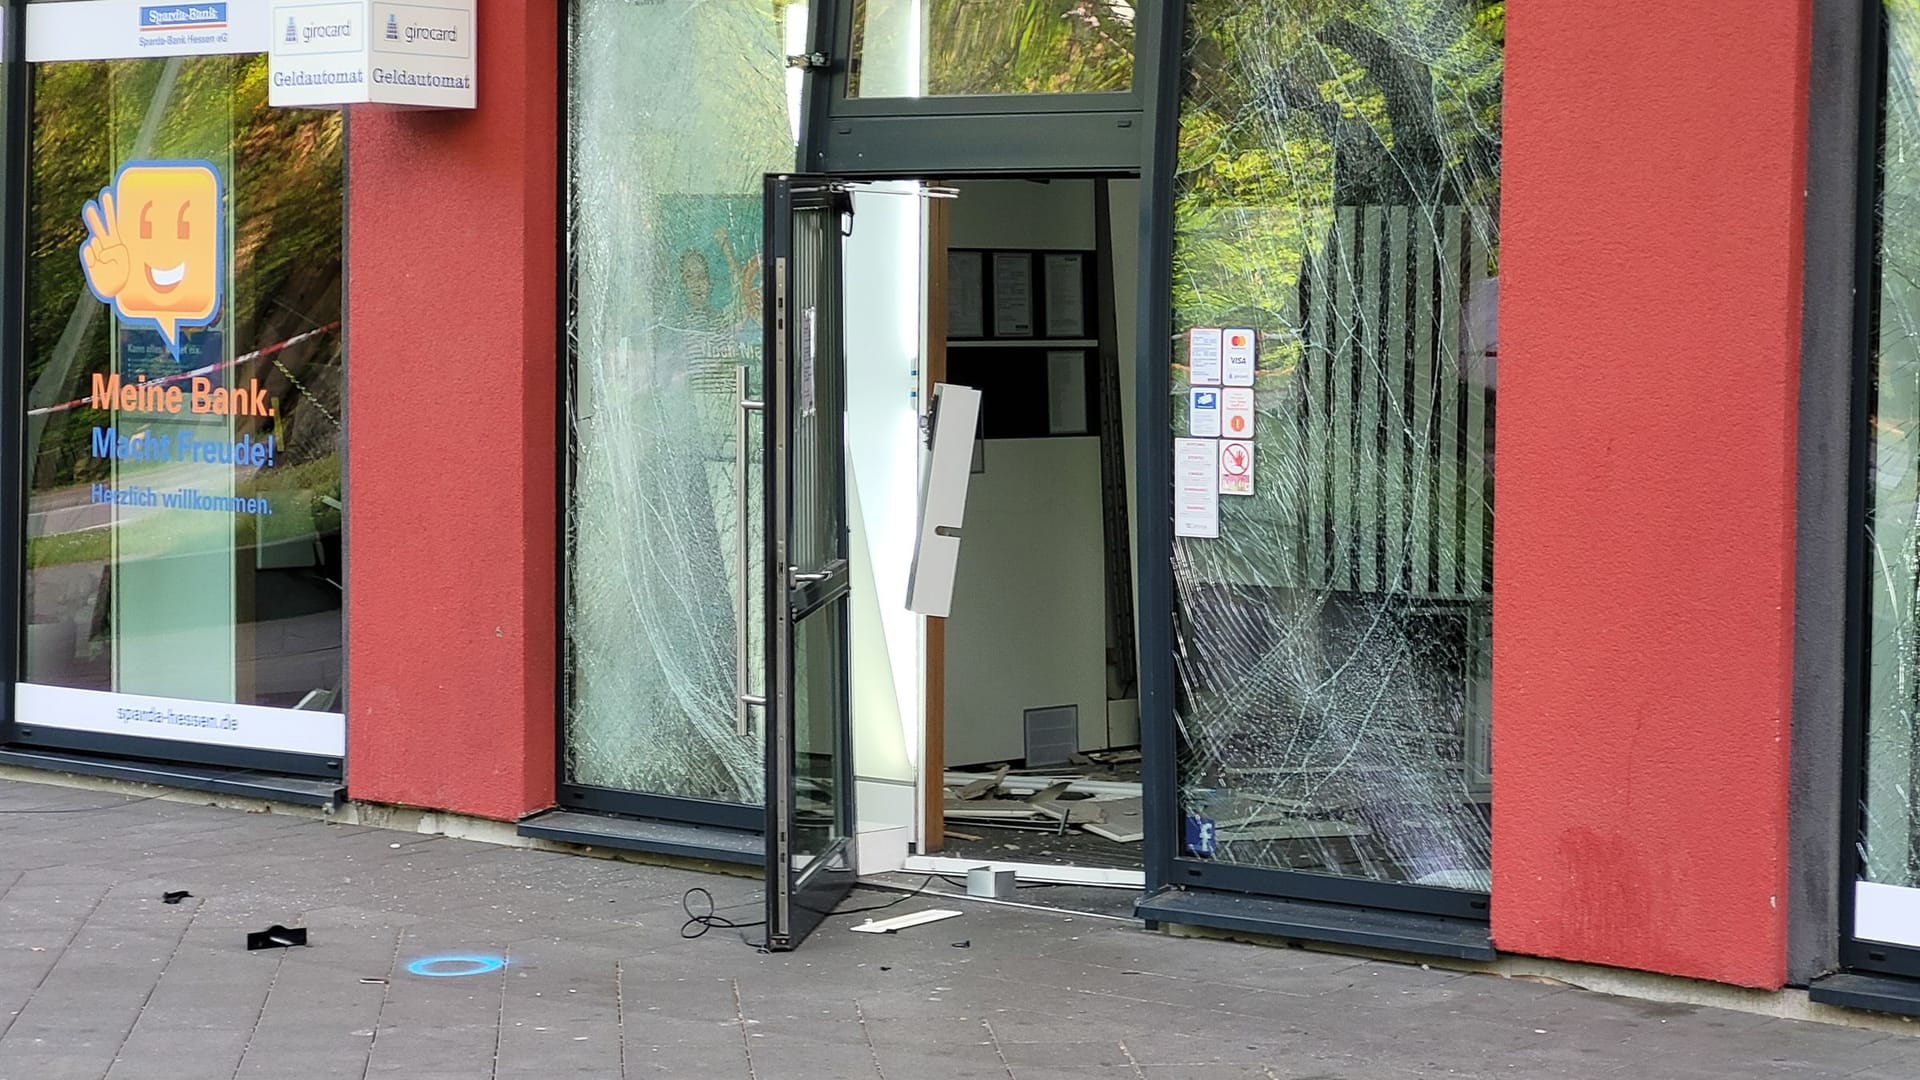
(277,937)
(1055,799)
(1098,794)
(902,922)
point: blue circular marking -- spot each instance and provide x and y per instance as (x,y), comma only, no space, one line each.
(431,966)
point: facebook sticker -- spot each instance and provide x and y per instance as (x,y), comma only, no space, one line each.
(1200,838)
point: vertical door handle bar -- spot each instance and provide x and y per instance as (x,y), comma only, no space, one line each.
(743,697)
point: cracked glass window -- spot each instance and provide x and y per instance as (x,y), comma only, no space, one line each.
(1890,838)
(935,48)
(1337,199)
(677,110)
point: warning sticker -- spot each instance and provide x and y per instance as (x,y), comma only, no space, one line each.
(1236,468)
(1236,402)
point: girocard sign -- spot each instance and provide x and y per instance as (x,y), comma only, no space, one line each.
(351,52)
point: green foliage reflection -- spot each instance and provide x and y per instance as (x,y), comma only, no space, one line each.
(1290,109)
(992,47)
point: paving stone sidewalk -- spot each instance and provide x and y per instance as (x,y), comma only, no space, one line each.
(100,978)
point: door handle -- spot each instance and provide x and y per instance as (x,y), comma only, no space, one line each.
(743,563)
(807,577)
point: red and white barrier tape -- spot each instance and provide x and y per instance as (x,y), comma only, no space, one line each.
(205,370)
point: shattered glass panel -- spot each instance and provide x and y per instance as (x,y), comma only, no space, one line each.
(934,48)
(1338,196)
(677,110)
(1890,843)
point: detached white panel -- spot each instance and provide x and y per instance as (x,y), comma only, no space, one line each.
(252,727)
(943,499)
(1888,913)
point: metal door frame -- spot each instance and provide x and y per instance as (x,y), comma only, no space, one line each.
(797,903)
(972,134)
(1855,953)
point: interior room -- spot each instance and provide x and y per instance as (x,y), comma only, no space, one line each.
(1036,698)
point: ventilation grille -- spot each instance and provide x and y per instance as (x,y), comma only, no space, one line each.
(1053,735)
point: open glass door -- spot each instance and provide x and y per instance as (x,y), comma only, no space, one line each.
(810,816)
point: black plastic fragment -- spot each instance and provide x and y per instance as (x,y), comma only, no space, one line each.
(174,897)
(277,937)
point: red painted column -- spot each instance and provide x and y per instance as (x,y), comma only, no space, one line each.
(451,285)
(1643,558)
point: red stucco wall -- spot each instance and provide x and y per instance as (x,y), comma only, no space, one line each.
(1651,236)
(451,397)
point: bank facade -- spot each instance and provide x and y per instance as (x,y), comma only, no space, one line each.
(569,460)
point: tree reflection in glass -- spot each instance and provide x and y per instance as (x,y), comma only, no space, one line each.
(1337,192)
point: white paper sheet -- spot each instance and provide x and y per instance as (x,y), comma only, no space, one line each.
(808,399)
(1196,490)
(1012,294)
(1203,356)
(966,298)
(1066,302)
(1066,392)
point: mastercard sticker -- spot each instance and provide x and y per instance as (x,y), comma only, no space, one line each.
(1237,353)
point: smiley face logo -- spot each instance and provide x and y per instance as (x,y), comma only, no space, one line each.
(153,247)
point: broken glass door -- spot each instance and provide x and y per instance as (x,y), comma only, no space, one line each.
(675,113)
(1337,246)
(808,582)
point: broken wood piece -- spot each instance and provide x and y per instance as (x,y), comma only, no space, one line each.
(1051,792)
(979,788)
(954,835)
(1087,812)
(1033,824)
(989,809)
(1028,784)
(1124,822)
